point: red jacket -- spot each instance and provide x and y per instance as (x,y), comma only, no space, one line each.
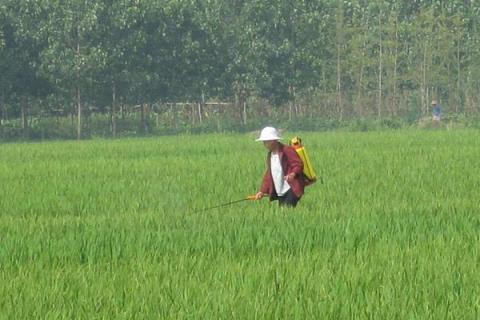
(291,162)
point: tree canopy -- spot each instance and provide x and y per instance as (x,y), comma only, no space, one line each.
(341,59)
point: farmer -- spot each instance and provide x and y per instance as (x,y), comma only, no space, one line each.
(283,179)
(436,111)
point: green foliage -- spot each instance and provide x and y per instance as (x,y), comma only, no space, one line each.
(99,126)
(332,59)
(107,229)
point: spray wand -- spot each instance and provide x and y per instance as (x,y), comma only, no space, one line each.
(248,198)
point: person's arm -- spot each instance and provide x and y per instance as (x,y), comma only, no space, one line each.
(265,186)
(295,164)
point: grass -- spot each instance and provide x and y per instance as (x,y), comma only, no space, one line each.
(105,229)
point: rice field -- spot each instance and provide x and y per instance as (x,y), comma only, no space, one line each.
(110,229)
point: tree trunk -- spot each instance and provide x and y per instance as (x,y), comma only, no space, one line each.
(217,118)
(359,96)
(114,114)
(122,108)
(240,103)
(380,68)
(148,107)
(4,109)
(294,102)
(395,58)
(193,113)
(244,111)
(236,100)
(427,106)
(339,85)
(174,117)
(72,117)
(199,107)
(424,81)
(79,115)
(457,102)
(24,110)
(142,118)
(290,104)
(340,41)
(79,104)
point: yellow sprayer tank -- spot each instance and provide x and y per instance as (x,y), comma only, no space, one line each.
(308,171)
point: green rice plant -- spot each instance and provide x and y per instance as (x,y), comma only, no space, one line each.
(108,229)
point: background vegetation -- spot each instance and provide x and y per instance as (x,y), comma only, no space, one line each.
(82,68)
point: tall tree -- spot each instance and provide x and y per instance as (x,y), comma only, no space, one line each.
(21,82)
(71,59)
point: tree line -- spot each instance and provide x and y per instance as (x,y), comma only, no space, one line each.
(303,58)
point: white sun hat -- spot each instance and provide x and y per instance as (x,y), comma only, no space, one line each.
(269,134)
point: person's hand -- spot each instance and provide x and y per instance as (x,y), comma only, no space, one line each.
(289,177)
(259,195)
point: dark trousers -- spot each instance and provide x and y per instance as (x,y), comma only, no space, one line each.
(289,199)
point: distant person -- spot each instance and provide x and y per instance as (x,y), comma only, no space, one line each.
(436,111)
(283,179)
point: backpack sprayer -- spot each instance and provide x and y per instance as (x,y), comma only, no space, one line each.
(308,172)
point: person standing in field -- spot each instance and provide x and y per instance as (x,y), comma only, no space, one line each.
(436,111)
(283,180)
